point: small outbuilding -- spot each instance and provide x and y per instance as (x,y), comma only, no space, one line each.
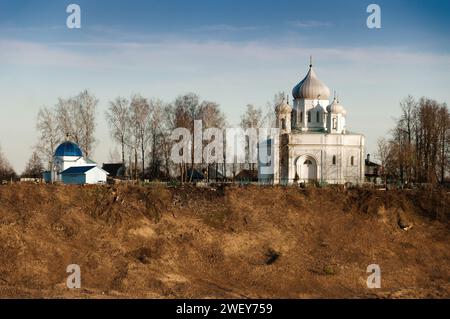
(114,169)
(84,175)
(69,166)
(372,171)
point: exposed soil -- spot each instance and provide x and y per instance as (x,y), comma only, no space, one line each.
(234,242)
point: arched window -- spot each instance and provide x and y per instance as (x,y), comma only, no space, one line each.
(334,159)
(283,124)
(301,116)
(352,160)
(335,124)
(318,116)
(269,147)
(309,116)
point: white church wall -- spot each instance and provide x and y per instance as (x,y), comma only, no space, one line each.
(302,108)
(66,162)
(333,158)
(323,147)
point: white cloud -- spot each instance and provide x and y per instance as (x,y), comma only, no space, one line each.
(227,28)
(175,54)
(310,24)
(31,53)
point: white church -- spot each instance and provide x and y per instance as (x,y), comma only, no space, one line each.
(315,145)
(69,166)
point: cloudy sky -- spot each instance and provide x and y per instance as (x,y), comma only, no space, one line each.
(231,52)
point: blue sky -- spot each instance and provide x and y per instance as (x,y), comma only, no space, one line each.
(232,52)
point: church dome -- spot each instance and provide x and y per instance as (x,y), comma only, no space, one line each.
(68,149)
(283,107)
(336,108)
(311,88)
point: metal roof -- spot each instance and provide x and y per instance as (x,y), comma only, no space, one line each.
(68,149)
(283,107)
(336,108)
(114,169)
(74,170)
(311,88)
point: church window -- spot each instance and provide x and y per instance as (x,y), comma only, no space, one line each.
(352,160)
(334,123)
(283,124)
(318,116)
(334,159)
(309,116)
(301,116)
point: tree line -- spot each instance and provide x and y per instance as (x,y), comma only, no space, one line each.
(6,170)
(418,148)
(416,151)
(141,128)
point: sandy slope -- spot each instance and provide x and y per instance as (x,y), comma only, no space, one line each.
(230,242)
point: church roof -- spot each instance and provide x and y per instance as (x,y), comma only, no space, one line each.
(68,149)
(77,170)
(283,107)
(311,87)
(114,169)
(336,107)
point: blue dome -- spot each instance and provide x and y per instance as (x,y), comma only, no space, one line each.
(68,149)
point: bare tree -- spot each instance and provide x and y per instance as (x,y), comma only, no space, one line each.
(114,156)
(427,140)
(419,146)
(384,155)
(87,104)
(185,112)
(49,135)
(444,142)
(140,121)
(118,117)
(252,118)
(66,119)
(34,167)
(76,118)
(6,170)
(158,137)
(169,120)
(269,117)
(403,135)
(212,117)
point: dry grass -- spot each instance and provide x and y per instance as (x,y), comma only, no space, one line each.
(232,242)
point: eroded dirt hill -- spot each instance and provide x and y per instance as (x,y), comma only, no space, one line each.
(234,242)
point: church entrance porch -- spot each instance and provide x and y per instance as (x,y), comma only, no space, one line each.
(306,169)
